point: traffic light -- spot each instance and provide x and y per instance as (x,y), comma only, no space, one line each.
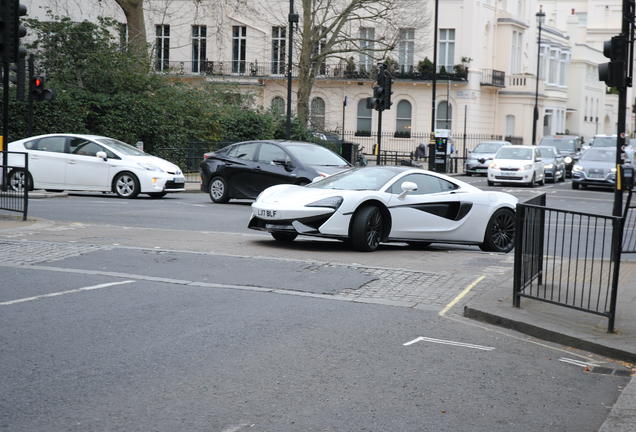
(614,73)
(39,93)
(379,90)
(20,78)
(388,82)
(12,30)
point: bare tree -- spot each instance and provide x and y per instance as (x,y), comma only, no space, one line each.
(331,29)
(134,11)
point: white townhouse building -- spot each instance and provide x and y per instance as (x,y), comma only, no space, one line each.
(488,58)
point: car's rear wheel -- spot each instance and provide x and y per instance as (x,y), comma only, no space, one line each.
(284,237)
(367,228)
(500,232)
(18,178)
(126,185)
(532,182)
(491,183)
(157,194)
(218,190)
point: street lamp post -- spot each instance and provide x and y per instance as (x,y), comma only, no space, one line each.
(540,20)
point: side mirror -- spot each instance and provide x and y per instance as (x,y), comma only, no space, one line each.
(538,159)
(102,154)
(406,188)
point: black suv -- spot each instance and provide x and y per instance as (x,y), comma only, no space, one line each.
(569,147)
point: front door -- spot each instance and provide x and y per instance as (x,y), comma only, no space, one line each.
(47,163)
(86,171)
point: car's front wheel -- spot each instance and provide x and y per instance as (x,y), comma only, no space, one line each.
(18,178)
(284,237)
(367,228)
(218,190)
(126,185)
(500,232)
(575,185)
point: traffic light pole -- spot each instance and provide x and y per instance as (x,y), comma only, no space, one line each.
(30,95)
(378,158)
(5,123)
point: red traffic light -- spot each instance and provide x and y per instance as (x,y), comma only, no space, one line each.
(38,82)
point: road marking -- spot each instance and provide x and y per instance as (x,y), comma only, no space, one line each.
(460,296)
(94,287)
(577,362)
(445,342)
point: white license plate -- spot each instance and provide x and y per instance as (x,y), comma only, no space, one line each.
(179,179)
(597,176)
(267,214)
(508,173)
(481,170)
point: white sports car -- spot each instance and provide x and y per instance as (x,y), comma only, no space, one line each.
(375,204)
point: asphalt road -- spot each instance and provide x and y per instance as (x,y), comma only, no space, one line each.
(169,314)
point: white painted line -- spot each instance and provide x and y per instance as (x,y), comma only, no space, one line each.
(460,296)
(577,362)
(445,342)
(94,287)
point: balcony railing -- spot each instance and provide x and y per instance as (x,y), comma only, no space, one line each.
(491,77)
(258,69)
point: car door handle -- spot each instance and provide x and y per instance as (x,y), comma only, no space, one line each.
(72,162)
(35,158)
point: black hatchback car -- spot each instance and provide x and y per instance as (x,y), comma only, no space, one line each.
(245,169)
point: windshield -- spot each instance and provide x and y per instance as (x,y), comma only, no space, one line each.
(604,142)
(367,178)
(487,148)
(315,155)
(562,144)
(514,153)
(599,155)
(121,147)
(547,153)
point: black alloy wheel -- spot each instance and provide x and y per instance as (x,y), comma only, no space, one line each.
(500,232)
(367,229)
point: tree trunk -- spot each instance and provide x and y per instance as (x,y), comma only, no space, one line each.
(134,11)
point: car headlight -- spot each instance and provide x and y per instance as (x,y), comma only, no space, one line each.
(333,202)
(527,167)
(613,170)
(549,166)
(494,165)
(150,167)
(567,160)
(577,168)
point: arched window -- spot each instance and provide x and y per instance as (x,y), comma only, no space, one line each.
(403,117)
(363,120)
(278,105)
(317,113)
(444,116)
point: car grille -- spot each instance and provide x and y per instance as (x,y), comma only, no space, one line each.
(508,178)
(170,184)
(509,169)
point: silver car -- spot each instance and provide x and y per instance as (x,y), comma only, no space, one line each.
(479,159)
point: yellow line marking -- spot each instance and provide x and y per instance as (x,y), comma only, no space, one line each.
(460,296)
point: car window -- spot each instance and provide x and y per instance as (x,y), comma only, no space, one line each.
(514,153)
(487,148)
(270,152)
(599,155)
(52,144)
(243,151)
(426,184)
(547,153)
(367,178)
(604,142)
(30,145)
(310,154)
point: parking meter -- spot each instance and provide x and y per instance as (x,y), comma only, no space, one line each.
(442,155)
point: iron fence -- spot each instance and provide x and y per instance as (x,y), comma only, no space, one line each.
(567,258)
(15,199)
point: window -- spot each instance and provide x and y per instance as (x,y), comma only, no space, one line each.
(52,144)
(239,42)
(510,126)
(243,151)
(319,47)
(403,117)
(563,69)
(552,67)
(446,49)
(542,62)
(426,184)
(515,53)
(363,117)
(123,35)
(582,16)
(270,152)
(163,47)
(367,36)
(278,105)
(85,148)
(444,116)
(279,35)
(198,48)
(317,113)
(406,47)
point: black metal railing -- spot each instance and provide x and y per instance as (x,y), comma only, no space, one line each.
(330,70)
(491,77)
(15,199)
(567,258)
